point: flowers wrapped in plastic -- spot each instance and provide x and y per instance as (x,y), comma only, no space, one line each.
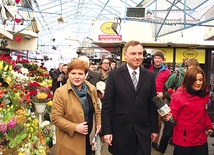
(12,131)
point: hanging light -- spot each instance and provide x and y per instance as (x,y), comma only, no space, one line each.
(54,48)
(60,20)
(27,37)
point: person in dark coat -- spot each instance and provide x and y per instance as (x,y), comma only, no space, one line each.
(51,72)
(129,116)
(57,78)
(92,77)
(65,75)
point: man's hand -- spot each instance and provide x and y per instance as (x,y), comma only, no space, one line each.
(108,139)
(154,137)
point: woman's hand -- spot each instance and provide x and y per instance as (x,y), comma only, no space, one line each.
(168,116)
(98,127)
(209,132)
(160,94)
(82,128)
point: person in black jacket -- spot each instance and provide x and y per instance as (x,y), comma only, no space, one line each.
(57,78)
(65,75)
(92,77)
(129,116)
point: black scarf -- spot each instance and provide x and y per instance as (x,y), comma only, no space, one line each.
(199,93)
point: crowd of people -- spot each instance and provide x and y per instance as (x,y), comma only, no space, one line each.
(115,103)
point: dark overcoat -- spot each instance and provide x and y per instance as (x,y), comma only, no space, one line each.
(129,114)
(93,77)
(55,83)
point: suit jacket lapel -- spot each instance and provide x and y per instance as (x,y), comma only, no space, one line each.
(126,76)
(141,78)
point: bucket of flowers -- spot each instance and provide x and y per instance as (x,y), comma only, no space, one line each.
(39,97)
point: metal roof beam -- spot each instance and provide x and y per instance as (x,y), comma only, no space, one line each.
(140,3)
(187,27)
(166,23)
(185,7)
(102,9)
(200,4)
(151,3)
(126,3)
(109,7)
(156,35)
(185,12)
(29,10)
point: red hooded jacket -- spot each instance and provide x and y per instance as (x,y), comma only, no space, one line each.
(192,120)
(161,78)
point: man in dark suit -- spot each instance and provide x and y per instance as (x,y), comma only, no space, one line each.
(129,116)
(64,75)
(92,77)
(57,77)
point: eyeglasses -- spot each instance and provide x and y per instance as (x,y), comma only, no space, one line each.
(106,63)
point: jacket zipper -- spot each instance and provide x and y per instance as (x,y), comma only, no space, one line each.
(185,135)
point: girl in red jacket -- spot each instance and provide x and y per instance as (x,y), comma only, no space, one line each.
(188,108)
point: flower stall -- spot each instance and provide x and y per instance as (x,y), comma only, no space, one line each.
(23,130)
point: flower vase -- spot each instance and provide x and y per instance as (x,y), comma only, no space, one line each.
(40,109)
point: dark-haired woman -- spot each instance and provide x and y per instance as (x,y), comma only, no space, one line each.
(188,108)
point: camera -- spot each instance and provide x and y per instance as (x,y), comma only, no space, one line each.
(147,61)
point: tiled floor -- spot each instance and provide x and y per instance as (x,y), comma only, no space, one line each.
(169,150)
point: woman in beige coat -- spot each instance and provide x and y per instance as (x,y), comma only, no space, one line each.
(75,105)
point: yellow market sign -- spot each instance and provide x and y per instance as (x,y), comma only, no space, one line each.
(182,54)
(190,53)
(106,28)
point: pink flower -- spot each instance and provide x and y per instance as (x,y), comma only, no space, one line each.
(12,123)
(3,127)
(21,100)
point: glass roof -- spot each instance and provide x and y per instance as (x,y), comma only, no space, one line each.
(77,16)
(60,21)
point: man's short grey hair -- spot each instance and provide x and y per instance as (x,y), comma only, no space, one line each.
(61,64)
(85,59)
